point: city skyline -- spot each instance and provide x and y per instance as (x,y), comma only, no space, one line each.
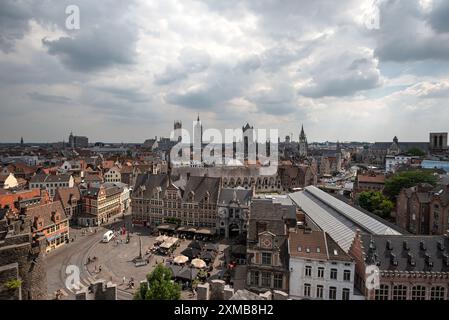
(358,72)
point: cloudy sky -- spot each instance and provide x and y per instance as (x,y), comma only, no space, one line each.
(347,70)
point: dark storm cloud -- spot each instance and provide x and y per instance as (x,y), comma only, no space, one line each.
(439,17)
(404,34)
(14,23)
(95,48)
(106,36)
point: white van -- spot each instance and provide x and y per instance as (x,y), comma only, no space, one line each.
(108,236)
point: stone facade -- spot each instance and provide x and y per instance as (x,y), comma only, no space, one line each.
(267,245)
(19,248)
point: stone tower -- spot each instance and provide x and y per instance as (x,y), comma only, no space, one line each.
(303,146)
(177,131)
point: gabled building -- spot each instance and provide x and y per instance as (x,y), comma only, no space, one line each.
(267,249)
(8,181)
(50,219)
(71,202)
(100,204)
(156,200)
(113,174)
(319,268)
(233,211)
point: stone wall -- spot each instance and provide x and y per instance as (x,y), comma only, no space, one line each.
(18,247)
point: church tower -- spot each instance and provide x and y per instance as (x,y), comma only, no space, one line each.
(303,146)
(197,140)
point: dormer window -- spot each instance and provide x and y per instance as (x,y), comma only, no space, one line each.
(422,245)
(393,259)
(406,246)
(389,245)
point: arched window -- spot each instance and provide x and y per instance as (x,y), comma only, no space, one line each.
(399,292)
(382,292)
(418,293)
(437,293)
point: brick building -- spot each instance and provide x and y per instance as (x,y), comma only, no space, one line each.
(50,220)
(424,209)
(71,202)
(409,267)
(369,181)
(100,204)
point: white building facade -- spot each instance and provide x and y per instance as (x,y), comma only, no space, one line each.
(319,268)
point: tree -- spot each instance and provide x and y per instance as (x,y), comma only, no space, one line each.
(159,286)
(376,202)
(407,179)
(417,152)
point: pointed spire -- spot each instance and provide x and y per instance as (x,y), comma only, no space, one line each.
(198,119)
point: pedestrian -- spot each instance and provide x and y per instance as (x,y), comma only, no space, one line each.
(123,280)
(99,269)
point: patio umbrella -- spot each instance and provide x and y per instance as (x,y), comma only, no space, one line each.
(191,253)
(198,263)
(180,259)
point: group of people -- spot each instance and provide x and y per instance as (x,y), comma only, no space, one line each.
(131,283)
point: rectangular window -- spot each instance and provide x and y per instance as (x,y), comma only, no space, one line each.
(266,258)
(266,279)
(320,272)
(319,291)
(278,280)
(347,275)
(334,274)
(306,290)
(345,294)
(255,278)
(332,293)
(308,271)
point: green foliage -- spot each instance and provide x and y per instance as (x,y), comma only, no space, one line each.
(416,152)
(160,286)
(376,202)
(407,179)
(13,284)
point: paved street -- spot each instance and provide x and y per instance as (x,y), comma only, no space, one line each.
(76,253)
(114,260)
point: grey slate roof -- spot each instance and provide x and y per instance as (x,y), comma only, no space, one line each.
(200,186)
(243,196)
(149,182)
(376,251)
(51,178)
